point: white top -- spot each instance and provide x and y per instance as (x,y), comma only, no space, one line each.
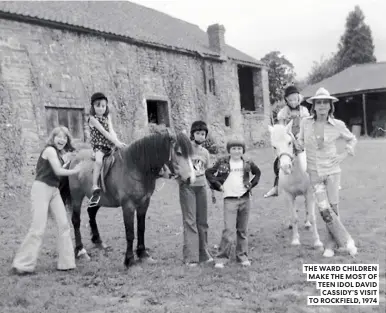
(234,184)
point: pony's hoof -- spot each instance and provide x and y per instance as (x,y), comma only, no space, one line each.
(148,260)
(328,253)
(129,262)
(82,255)
(307,225)
(318,244)
(295,242)
(103,246)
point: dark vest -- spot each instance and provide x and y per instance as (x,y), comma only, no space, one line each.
(44,171)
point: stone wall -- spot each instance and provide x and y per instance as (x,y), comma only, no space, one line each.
(42,67)
(256,129)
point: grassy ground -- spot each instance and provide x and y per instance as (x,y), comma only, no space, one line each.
(274,283)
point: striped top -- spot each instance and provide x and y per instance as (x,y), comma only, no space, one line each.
(321,152)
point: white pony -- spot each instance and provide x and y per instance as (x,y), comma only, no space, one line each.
(294,180)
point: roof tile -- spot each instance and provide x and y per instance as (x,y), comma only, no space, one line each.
(125,19)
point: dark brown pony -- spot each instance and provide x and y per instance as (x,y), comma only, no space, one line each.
(129,184)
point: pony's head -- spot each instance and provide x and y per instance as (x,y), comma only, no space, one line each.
(180,161)
(151,153)
(282,141)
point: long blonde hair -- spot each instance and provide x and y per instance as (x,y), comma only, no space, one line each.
(56,131)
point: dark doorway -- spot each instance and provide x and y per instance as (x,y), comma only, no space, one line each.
(158,112)
(247,97)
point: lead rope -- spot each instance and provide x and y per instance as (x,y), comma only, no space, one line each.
(163,182)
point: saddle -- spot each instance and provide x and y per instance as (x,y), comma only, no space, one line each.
(107,164)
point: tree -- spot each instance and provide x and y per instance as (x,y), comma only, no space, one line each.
(356,45)
(323,69)
(280,74)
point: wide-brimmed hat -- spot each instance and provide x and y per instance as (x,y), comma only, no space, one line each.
(322,93)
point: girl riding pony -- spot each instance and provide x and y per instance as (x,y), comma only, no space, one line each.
(295,112)
(103,138)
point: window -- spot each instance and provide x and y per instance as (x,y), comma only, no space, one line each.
(73,119)
(211,81)
(158,112)
(227,121)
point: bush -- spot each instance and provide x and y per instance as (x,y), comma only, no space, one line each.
(12,153)
(211,145)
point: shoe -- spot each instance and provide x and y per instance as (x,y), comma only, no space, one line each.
(219,265)
(272,193)
(351,248)
(191,264)
(210,260)
(65,269)
(328,253)
(246,263)
(18,272)
(243,260)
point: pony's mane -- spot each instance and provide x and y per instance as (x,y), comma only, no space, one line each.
(279,133)
(152,152)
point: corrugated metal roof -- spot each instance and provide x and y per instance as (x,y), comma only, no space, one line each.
(357,78)
(124,19)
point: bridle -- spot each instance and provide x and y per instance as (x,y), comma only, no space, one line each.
(291,156)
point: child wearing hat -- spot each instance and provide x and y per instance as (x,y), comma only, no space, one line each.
(103,138)
(193,201)
(231,176)
(295,112)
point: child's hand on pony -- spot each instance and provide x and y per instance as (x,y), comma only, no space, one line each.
(120,144)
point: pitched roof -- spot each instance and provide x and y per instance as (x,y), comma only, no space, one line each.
(124,19)
(355,79)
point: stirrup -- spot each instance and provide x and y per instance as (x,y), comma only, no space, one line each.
(94,200)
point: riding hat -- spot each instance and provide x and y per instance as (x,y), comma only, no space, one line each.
(198,126)
(290,90)
(98,96)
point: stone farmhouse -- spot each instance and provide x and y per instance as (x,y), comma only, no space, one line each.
(154,68)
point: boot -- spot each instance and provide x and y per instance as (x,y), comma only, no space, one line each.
(94,200)
(274,192)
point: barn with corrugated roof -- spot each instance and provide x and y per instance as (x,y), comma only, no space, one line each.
(361,90)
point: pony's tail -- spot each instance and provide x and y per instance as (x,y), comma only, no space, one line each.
(64,188)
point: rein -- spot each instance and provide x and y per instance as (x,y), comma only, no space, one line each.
(291,156)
